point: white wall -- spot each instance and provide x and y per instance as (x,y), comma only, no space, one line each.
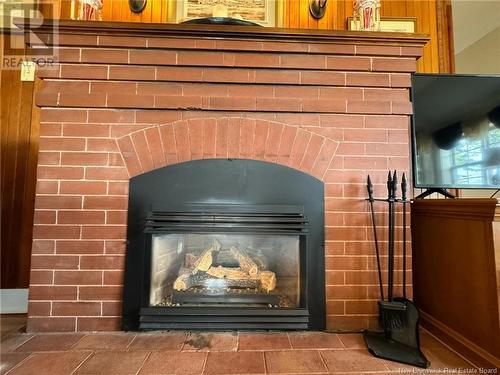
(472,20)
(482,57)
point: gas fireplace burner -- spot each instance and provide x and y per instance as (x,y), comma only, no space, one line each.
(193,262)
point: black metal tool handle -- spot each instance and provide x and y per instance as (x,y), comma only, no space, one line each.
(404,187)
(369,188)
(389,186)
(392,229)
(394,185)
(390,263)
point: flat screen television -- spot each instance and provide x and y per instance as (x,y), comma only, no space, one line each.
(456,131)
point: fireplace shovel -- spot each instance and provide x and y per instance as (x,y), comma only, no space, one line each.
(399,341)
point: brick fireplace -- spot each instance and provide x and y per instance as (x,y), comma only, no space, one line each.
(129,99)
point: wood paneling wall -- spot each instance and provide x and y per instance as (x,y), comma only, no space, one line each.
(19,150)
(155,11)
(432,18)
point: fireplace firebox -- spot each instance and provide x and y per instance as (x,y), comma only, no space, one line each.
(225,244)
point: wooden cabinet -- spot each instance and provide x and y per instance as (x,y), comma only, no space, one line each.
(456,269)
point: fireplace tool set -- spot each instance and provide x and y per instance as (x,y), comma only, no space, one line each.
(398,316)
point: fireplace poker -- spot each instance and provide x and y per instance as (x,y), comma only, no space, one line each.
(403,200)
(369,188)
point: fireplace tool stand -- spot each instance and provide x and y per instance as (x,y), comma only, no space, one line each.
(399,341)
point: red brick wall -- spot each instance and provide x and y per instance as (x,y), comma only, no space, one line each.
(120,106)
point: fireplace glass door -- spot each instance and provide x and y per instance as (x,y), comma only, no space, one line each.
(225,244)
(214,270)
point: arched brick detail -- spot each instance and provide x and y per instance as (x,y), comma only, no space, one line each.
(233,137)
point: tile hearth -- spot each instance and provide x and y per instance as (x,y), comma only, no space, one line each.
(205,353)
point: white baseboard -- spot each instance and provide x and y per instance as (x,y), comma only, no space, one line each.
(13,301)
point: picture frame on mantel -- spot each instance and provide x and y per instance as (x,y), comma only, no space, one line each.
(262,12)
(391,24)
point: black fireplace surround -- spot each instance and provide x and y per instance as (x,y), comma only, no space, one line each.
(225,244)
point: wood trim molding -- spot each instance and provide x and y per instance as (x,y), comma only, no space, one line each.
(470,208)
(219,31)
(446,50)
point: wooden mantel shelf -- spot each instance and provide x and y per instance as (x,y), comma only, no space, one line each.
(227,32)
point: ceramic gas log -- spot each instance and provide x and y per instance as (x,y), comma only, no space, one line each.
(216,271)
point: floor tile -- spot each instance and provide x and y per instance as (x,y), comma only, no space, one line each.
(158,341)
(294,361)
(50,342)
(215,352)
(50,363)
(118,341)
(109,363)
(14,341)
(352,340)
(439,358)
(429,341)
(444,358)
(9,360)
(235,363)
(263,341)
(401,367)
(211,341)
(174,363)
(315,340)
(12,323)
(351,360)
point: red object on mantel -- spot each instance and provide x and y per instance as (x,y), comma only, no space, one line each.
(128,99)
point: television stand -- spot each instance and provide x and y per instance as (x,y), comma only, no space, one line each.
(435,190)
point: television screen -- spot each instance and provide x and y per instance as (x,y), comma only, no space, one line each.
(456,131)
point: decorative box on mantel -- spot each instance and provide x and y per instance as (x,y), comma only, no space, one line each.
(127,99)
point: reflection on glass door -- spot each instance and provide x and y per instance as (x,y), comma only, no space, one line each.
(225,269)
